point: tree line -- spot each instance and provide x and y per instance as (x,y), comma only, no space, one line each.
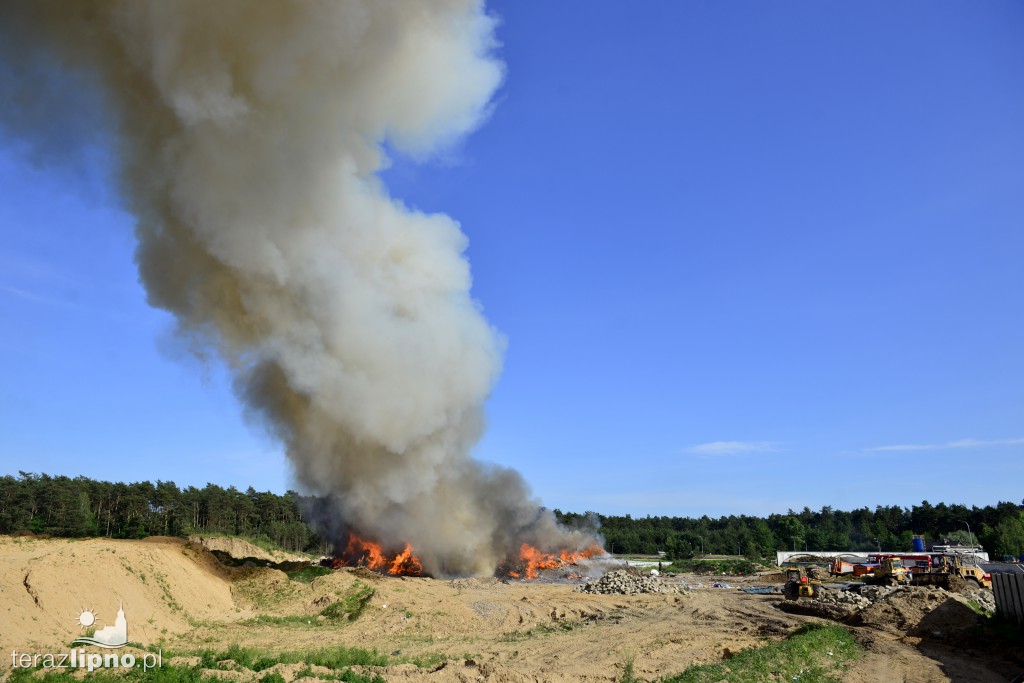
(83,507)
(999,528)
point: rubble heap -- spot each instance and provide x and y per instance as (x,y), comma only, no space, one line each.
(987,599)
(621,582)
(847,599)
(874,593)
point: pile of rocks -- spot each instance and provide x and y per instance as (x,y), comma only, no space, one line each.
(847,599)
(621,582)
(873,593)
(986,599)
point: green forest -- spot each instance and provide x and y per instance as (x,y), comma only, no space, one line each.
(999,528)
(81,507)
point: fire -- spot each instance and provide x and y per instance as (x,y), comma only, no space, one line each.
(530,562)
(363,553)
(533,561)
(406,564)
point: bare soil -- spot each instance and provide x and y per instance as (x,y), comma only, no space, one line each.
(178,596)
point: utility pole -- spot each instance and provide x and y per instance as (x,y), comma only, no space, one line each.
(969,534)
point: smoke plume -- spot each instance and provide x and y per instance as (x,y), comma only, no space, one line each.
(248,137)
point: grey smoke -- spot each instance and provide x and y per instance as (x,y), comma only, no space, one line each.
(248,137)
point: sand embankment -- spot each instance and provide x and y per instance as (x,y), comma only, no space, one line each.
(163,583)
(241,550)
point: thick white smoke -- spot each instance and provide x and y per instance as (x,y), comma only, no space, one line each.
(249,135)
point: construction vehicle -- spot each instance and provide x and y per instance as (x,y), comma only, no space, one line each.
(798,585)
(950,572)
(863,569)
(840,567)
(889,572)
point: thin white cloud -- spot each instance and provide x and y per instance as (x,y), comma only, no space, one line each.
(56,301)
(731,447)
(21,267)
(962,443)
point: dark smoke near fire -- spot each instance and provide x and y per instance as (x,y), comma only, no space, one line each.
(248,136)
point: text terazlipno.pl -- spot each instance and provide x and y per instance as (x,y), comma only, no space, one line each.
(90,661)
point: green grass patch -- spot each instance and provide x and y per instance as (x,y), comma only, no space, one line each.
(428,660)
(290,620)
(337,660)
(628,675)
(815,652)
(346,675)
(351,604)
(540,630)
(165,674)
(349,607)
(259,660)
(307,574)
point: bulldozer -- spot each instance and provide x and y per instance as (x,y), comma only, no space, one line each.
(951,573)
(800,585)
(889,572)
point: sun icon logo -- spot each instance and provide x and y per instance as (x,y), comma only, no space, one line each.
(87,619)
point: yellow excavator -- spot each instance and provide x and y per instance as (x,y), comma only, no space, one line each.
(889,572)
(799,585)
(950,572)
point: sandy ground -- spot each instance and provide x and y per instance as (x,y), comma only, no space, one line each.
(178,596)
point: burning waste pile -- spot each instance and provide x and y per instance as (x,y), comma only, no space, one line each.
(529,564)
(369,555)
(248,143)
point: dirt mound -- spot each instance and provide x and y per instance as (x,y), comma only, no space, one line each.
(163,587)
(918,611)
(837,605)
(481,583)
(924,612)
(241,550)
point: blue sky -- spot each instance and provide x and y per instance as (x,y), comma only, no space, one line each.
(723,240)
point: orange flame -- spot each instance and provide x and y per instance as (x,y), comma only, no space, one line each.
(363,553)
(533,561)
(406,564)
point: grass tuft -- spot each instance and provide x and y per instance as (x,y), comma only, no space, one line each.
(813,653)
(628,676)
(351,605)
(337,660)
(540,630)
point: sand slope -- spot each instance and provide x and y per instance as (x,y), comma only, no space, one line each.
(240,549)
(163,583)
